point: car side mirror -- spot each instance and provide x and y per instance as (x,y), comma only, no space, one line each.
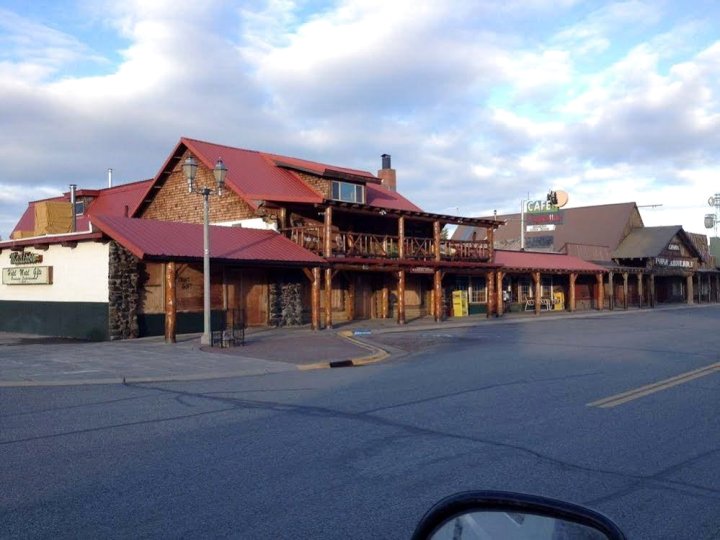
(490,515)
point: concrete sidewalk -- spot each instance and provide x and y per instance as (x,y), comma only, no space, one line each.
(27,360)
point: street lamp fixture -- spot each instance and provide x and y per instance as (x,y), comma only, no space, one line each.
(190,167)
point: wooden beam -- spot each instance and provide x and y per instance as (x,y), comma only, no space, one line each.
(401,297)
(599,294)
(573,277)
(170,302)
(436,240)
(625,290)
(499,292)
(401,237)
(437,296)
(653,299)
(328,297)
(350,307)
(315,299)
(385,300)
(328,230)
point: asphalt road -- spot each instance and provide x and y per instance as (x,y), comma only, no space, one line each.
(363,452)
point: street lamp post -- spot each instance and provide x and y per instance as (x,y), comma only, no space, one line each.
(190,167)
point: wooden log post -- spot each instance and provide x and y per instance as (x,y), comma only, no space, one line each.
(490,233)
(170,302)
(328,297)
(573,277)
(538,296)
(499,292)
(401,297)
(437,296)
(690,290)
(350,307)
(385,300)
(653,299)
(640,290)
(599,293)
(625,290)
(611,286)
(315,301)
(401,237)
(490,281)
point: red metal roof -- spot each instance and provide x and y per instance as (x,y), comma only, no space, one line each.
(385,198)
(147,238)
(113,201)
(109,201)
(549,262)
(319,168)
(261,176)
(254,175)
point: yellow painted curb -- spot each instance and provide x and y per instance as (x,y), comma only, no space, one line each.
(377,355)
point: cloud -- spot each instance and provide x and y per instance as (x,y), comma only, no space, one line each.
(480,104)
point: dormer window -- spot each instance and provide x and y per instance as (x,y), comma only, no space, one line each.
(80,207)
(348,192)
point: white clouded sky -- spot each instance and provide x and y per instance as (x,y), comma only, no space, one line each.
(480,102)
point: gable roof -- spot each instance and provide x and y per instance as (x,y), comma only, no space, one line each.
(150,239)
(258,176)
(651,241)
(544,262)
(602,225)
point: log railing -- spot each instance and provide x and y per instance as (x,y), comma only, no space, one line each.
(382,246)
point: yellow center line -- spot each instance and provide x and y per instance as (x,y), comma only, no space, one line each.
(630,395)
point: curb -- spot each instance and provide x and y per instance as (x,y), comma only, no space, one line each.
(377,355)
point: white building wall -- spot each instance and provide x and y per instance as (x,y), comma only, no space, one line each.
(80,274)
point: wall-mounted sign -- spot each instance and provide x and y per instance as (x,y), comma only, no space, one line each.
(540,207)
(30,275)
(540,228)
(542,219)
(674,263)
(25,257)
(674,247)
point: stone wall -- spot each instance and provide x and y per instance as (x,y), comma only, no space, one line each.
(123,280)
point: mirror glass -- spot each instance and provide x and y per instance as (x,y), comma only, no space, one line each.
(491,525)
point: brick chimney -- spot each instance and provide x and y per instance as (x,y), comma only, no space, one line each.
(387,175)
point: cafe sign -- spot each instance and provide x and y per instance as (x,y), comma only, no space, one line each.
(28,275)
(25,257)
(541,207)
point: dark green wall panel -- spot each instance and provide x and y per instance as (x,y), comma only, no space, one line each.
(82,320)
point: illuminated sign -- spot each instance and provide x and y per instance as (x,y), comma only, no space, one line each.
(540,207)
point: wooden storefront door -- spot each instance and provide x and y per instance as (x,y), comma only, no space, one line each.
(248,291)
